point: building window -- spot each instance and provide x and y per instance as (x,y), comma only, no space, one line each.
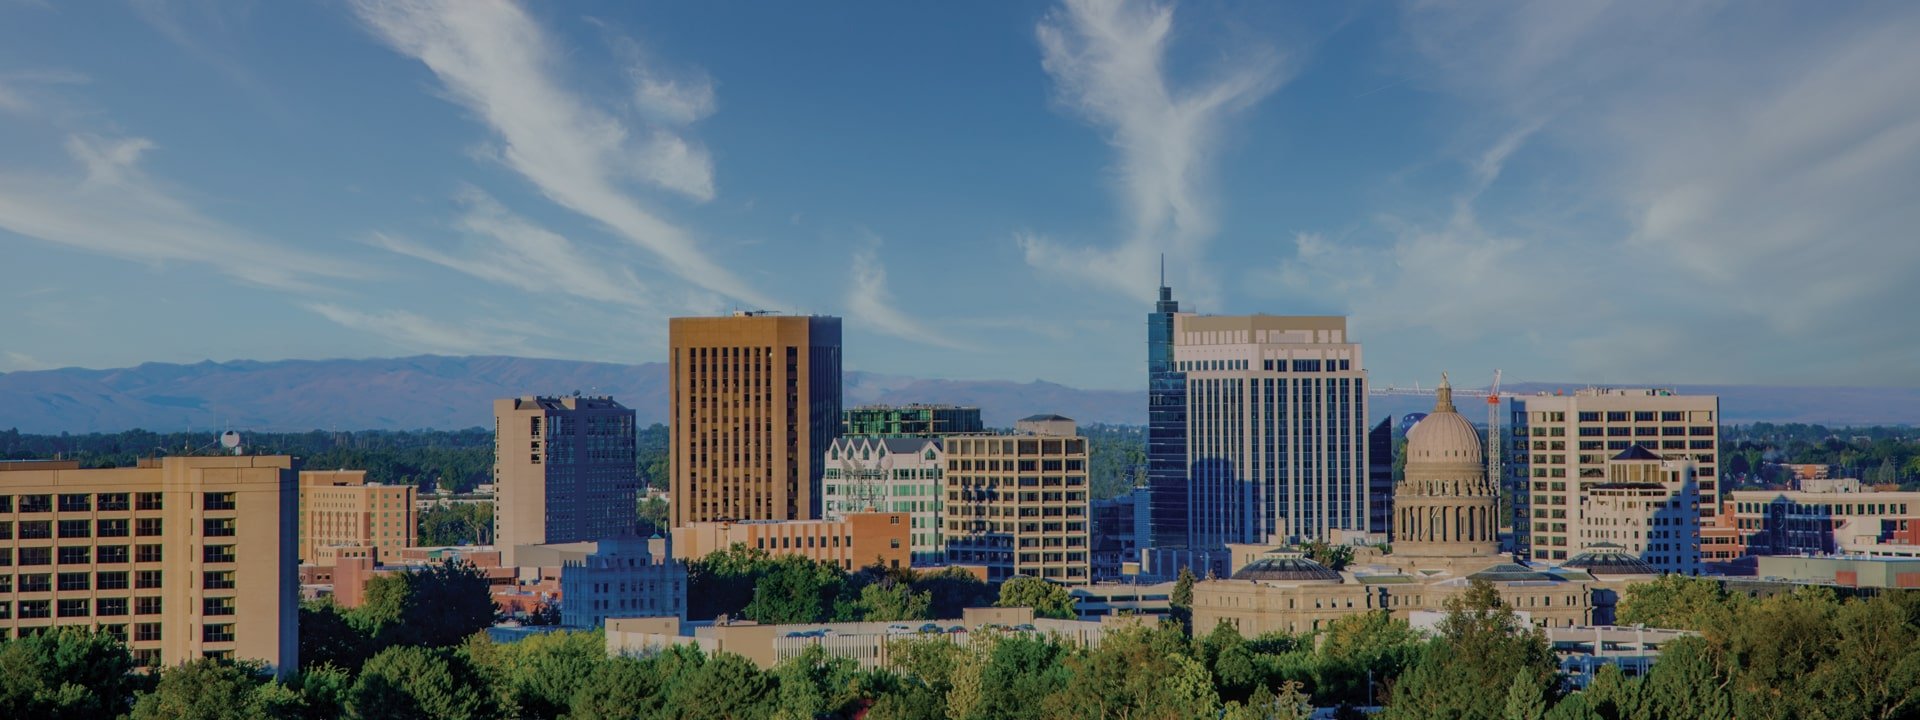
(146,579)
(216,606)
(114,502)
(148,501)
(74,607)
(147,606)
(34,556)
(147,527)
(76,528)
(36,504)
(36,582)
(146,553)
(218,579)
(110,555)
(217,527)
(114,580)
(148,632)
(111,528)
(76,555)
(220,501)
(34,609)
(35,529)
(218,554)
(222,632)
(77,502)
(75,581)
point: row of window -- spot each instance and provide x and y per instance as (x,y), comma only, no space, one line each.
(87,607)
(105,502)
(107,580)
(103,555)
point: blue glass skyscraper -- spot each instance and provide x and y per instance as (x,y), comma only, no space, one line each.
(1166,429)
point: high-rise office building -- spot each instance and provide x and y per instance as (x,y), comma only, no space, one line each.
(563,471)
(181,557)
(1166,430)
(901,474)
(756,401)
(1018,503)
(910,421)
(1561,445)
(1276,435)
(339,509)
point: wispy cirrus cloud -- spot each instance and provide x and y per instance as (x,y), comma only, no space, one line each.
(112,208)
(501,247)
(1736,192)
(871,303)
(414,333)
(1108,61)
(494,60)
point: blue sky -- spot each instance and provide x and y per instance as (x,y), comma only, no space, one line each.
(1580,192)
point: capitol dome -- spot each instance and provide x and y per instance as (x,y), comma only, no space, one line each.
(1444,435)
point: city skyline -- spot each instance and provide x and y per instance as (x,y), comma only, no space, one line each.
(508,179)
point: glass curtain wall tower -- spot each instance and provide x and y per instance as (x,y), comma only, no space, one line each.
(1166,430)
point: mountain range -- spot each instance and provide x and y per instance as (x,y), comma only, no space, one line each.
(431,391)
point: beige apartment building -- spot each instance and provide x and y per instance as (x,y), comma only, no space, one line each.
(343,514)
(1560,446)
(1018,505)
(563,471)
(756,401)
(183,557)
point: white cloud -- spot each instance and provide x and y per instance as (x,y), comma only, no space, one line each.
(871,304)
(1108,62)
(495,61)
(114,209)
(502,247)
(1730,200)
(414,333)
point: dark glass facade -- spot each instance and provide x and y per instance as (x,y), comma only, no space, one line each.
(1380,477)
(1166,430)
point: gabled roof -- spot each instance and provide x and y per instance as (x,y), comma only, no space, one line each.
(1637,452)
(1048,417)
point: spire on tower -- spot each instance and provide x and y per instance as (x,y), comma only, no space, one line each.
(1443,395)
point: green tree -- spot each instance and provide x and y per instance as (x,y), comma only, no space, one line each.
(1526,698)
(438,606)
(888,600)
(725,686)
(414,683)
(1180,601)
(328,637)
(216,690)
(1047,599)
(815,684)
(1688,682)
(619,688)
(796,589)
(953,590)
(1678,601)
(1468,670)
(457,524)
(65,673)
(1335,557)
(538,676)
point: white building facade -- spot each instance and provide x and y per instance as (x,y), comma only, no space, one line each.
(889,475)
(625,577)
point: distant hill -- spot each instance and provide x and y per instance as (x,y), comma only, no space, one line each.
(431,391)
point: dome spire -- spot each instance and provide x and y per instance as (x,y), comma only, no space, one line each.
(1443,395)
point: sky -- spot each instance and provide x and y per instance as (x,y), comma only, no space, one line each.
(1604,192)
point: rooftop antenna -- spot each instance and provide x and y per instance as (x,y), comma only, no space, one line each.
(1163,269)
